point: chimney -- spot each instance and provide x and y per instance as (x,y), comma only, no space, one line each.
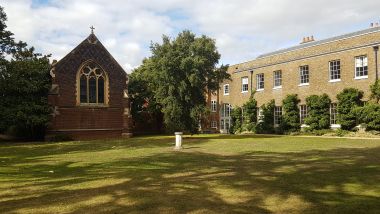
(371,25)
(376,24)
(307,39)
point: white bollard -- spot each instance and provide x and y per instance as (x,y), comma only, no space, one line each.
(178,140)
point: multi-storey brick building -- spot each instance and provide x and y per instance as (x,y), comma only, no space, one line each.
(313,67)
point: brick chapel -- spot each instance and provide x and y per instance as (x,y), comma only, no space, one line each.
(89,94)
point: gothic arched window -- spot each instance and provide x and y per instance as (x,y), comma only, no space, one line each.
(92,82)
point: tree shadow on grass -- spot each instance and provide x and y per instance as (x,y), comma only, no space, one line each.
(230,136)
(333,181)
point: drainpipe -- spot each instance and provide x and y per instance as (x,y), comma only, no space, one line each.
(251,71)
(376,49)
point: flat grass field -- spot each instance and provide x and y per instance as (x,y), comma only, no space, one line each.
(212,174)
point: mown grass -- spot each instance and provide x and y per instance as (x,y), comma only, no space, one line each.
(212,174)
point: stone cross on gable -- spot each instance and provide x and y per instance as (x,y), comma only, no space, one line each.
(92,29)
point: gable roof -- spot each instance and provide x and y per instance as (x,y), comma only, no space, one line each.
(92,40)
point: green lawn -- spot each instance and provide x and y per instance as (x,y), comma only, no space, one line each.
(212,174)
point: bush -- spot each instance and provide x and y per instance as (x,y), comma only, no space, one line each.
(290,118)
(369,115)
(316,132)
(236,120)
(250,115)
(266,124)
(318,112)
(375,91)
(348,100)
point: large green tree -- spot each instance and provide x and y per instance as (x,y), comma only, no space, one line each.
(179,74)
(24,85)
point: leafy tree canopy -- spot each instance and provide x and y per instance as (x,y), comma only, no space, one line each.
(177,77)
(24,85)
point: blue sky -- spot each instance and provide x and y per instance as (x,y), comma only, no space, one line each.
(242,29)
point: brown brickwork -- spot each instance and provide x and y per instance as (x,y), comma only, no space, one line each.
(89,122)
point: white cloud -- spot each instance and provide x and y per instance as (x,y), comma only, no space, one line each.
(242,28)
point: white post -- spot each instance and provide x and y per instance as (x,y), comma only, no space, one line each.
(178,140)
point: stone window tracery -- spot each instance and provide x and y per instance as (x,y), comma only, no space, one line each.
(92,83)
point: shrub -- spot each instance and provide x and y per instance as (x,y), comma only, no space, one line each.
(250,115)
(341,132)
(369,115)
(266,124)
(318,112)
(290,118)
(348,99)
(236,120)
(375,91)
(317,132)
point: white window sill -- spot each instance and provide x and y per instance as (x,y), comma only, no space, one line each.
(244,92)
(362,77)
(226,94)
(304,84)
(335,80)
(260,89)
(335,126)
(277,87)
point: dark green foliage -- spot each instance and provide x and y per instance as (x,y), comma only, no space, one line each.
(250,115)
(266,124)
(143,102)
(369,115)
(291,117)
(236,120)
(318,112)
(375,91)
(180,72)
(24,85)
(348,100)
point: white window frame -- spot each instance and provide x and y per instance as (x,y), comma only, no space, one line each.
(361,62)
(214,124)
(303,113)
(335,70)
(226,89)
(260,115)
(277,79)
(244,84)
(304,73)
(260,80)
(277,115)
(213,106)
(333,114)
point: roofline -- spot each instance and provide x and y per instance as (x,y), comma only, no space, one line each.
(86,39)
(313,44)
